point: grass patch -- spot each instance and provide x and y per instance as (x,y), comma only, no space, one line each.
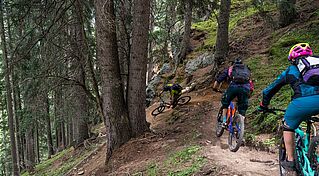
(185,157)
(240,10)
(152,169)
(64,162)
(182,163)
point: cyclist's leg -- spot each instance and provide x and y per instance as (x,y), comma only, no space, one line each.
(297,111)
(242,95)
(174,96)
(228,96)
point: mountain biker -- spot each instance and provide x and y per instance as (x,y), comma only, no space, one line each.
(304,80)
(175,92)
(240,86)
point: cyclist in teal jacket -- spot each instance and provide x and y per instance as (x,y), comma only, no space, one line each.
(305,101)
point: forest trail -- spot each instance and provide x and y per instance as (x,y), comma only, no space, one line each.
(192,124)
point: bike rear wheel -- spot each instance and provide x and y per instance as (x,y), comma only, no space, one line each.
(236,135)
(219,124)
(313,154)
(158,110)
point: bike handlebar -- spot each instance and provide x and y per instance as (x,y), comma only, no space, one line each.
(271,110)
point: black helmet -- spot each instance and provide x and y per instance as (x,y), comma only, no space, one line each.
(238,61)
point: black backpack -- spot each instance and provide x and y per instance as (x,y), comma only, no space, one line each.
(176,87)
(240,74)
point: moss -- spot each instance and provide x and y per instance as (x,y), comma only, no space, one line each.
(46,167)
(240,10)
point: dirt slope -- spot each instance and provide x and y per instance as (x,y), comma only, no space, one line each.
(191,124)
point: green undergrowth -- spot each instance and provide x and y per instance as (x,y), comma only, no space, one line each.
(181,163)
(265,70)
(239,10)
(60,163)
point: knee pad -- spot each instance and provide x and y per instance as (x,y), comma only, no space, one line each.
(285,127)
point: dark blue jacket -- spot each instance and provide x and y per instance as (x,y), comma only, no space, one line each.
(290,76)
(225,75)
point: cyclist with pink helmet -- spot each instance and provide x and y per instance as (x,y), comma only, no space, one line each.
(303,77)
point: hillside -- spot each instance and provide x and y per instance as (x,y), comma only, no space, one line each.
(182,141)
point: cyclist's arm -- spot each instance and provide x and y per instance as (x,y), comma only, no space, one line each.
(222,76)
(273,88)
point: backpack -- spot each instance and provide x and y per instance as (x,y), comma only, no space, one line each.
(309,69)
(240,74)
(176,87)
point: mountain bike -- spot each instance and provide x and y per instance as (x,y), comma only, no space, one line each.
(235,126)
(306,150)
(163,105)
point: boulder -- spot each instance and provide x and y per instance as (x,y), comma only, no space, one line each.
(166,68)
(202,61)
(151,88)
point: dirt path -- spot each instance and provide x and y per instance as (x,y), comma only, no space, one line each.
(246,161)
(191,124)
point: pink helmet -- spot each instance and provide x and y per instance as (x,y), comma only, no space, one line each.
(300,49)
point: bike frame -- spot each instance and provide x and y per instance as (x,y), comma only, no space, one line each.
(230,115)
(302,150)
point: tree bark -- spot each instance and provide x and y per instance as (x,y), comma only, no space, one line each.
(48,127)
(287,12)
(58,118)
(81,100)
(222,45)
(37,143)
(15,166)
(123,37)
(116,119)
(137,67)
(185,45)
(30,154)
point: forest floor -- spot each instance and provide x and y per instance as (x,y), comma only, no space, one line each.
(183,142)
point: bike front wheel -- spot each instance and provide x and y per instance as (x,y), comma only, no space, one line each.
(219,124)
(158,110)
(236,134)
(183,100)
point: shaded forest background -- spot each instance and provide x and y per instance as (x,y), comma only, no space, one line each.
(72,64)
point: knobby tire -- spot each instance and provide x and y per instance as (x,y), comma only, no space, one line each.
(219,124)
(158,110)
(313,154)
(235,139)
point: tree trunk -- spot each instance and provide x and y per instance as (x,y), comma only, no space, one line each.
(15,167)
(222,45)
(37,143)
(137,67)
(17,106)
(123,36)
(58,118)
(30,154)
(48,127)
(287,12)
(116,119)
(81,99)
(70,131)
(185,45)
